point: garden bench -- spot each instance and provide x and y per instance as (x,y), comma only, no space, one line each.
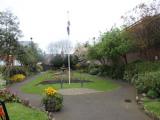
(3,111)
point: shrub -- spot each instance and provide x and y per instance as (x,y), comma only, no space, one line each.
(115,71)
(6,96)
(39,68)
(73,61)
(94,71)
(57,61)
(129,72)
(9,72)
(139,68)
(2,68)
(52,100)
(17,78)
(105,70)
(147,67)
(78,66)
(152,94)
(148,81)
(32,68)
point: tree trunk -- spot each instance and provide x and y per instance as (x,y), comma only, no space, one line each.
(125,58)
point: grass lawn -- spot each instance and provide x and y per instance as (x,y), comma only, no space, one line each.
(17,111)
(153,106)
(98,83)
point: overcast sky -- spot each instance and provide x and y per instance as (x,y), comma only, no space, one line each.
(46,20)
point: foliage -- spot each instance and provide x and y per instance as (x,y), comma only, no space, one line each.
(116,44)
(17,78)
(39,68)
(148,82)
(2,68)
(53,100)
(145,77)
(83,67)
(117,71)
(139,67)
(57,61)
(29,55)
(114,71)
(8,97)
(77,66)
(18,111)
(81,53)
(96,53)
(152,94)
(9,34)
(130,72)
(113,45)
(9,72)
(73,61)
(105,70)
(94,71)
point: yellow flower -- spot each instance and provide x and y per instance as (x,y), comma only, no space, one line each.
(17,77)
(50,91)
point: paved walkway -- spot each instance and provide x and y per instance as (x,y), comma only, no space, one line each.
(93,106)
(35,100)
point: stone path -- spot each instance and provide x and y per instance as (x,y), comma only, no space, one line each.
(92,106)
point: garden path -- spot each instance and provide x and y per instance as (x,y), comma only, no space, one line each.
(92,106)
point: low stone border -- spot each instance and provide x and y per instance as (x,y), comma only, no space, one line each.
(142,107)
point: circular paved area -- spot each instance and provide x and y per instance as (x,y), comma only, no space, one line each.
(77,91)
(95,106)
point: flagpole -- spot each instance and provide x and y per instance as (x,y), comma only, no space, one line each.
(68,31)
(69,68)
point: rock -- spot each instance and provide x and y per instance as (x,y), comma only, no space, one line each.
(144,94)
(51,116)
(137,98)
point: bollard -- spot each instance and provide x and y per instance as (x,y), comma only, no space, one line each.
(61,84)
(4,111)
(81,83)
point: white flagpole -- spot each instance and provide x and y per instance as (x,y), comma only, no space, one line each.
(69,68)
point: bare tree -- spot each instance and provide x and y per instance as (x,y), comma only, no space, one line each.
(141,11)
(62,46)
(52,48)
(143,22)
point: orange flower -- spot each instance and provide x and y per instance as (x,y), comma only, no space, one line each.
(1,112)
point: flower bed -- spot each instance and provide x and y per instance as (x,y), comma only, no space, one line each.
(6,96)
